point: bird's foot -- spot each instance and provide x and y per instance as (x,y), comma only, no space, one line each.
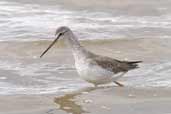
(118,83)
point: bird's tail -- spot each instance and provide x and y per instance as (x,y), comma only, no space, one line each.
(133,64)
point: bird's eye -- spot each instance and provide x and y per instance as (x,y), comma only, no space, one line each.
(61,33)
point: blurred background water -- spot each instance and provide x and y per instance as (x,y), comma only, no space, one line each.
(35,20)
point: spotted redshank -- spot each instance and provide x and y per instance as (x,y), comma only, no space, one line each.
(91,67)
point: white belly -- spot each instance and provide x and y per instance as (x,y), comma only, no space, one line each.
(93,73)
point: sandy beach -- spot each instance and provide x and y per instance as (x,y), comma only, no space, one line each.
(90,100)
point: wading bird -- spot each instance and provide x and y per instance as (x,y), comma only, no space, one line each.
(91,67)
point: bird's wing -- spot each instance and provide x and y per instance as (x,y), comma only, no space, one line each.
(114,65)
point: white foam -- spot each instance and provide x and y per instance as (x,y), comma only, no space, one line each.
(34,21)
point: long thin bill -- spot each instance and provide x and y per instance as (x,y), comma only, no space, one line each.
(50,45)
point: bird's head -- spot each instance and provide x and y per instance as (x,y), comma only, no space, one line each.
(60,33)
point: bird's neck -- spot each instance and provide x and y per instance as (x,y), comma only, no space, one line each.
(79,52)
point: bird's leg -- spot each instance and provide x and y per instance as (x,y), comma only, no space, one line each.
(118,83)
(117,77)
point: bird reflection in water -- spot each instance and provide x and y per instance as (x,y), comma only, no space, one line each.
(69,105)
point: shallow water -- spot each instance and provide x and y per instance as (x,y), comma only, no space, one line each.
(129,30)
(23,72)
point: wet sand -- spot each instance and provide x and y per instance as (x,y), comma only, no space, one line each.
(91,100)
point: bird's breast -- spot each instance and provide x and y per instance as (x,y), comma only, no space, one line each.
(92,73)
